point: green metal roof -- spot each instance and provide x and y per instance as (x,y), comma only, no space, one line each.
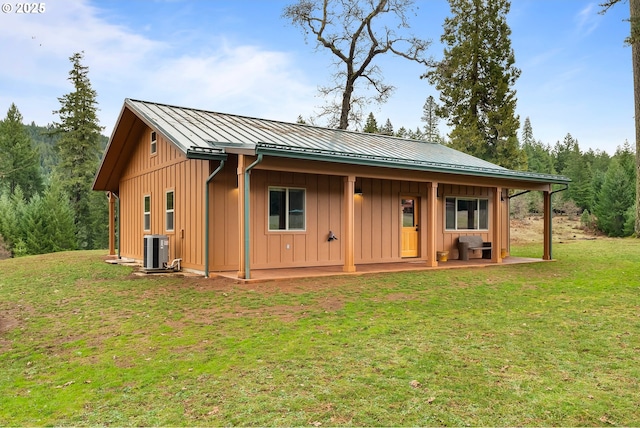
(199,132)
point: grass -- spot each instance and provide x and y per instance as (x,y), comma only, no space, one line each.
(86,343)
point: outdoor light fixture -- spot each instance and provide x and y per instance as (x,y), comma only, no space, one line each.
(358,191)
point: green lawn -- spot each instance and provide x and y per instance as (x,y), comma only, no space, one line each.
(85,343)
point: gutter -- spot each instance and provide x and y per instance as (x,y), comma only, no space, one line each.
(247,224)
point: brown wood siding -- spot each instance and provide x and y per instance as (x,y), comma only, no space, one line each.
(154,175)
(448,240)
(323,212)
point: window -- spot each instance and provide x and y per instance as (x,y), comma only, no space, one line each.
(147,213)
(467,214)
(169,211)
(154,143)
(286,208)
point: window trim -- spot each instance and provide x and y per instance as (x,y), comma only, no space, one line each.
(304,209)
(172,210)
(476,218)
(153,147)
(146,214)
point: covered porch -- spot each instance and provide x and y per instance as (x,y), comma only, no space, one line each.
(264,275)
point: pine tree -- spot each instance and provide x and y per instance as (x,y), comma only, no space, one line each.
(78,148)
(371,125)
(476,79)
(19,160)
(431,119)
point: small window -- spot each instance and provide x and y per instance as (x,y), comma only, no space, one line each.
(467,214)
(154,143)
(147,213)
(169,211)
(286,209)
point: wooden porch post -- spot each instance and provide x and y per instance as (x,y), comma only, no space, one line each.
(546,196)
(112,227)
(349,228)
(241,219)
(432,215)
(496,256)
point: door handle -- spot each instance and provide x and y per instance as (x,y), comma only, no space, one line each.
(417,228)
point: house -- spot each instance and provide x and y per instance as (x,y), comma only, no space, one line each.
(236,193)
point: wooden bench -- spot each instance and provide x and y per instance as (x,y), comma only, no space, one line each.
(473,242)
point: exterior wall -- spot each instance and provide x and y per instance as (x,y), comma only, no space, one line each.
(448,240)
(323,212)
(154,175)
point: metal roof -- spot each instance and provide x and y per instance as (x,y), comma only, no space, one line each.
(199,131)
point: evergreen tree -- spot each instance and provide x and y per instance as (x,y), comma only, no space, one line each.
(371,125)
(538,155)
(48,223)
(581,189)
(402,132)
(563,151)
(10,214)
(19,160)
(78,149)
(387,129)
(614,199)
(431,119)
(476,79)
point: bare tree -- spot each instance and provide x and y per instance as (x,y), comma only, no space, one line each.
(354,33)
(634,41)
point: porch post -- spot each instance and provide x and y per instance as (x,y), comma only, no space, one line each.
(241,217)
(496,256)
(112,227)
(432,215)
(546,196)
(349,229)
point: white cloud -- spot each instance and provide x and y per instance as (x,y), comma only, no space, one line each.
(125,64)
(587,20)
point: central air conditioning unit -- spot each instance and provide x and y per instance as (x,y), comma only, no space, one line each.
(156,251)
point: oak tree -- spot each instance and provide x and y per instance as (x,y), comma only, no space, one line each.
(356,32)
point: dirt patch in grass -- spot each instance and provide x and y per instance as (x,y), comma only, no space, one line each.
(530,229)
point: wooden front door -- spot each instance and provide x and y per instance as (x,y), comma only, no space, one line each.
(409,245)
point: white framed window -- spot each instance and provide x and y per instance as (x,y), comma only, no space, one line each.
(146,218)
(154,143)
(286,208)
(169,211)
(467,213)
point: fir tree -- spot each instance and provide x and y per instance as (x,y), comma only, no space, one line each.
(476,79)
(387,129)
(78,149)
(371,125)
(19,160)
(430,117)
(614,199)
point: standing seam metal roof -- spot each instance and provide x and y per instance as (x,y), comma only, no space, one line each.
(192,129)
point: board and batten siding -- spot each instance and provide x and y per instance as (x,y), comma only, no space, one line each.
(448,240)
(154,175)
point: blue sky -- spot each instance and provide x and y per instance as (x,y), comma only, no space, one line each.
(242,57)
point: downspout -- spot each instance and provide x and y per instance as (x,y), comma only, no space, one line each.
(566,186)
(247,225)
(206,217)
